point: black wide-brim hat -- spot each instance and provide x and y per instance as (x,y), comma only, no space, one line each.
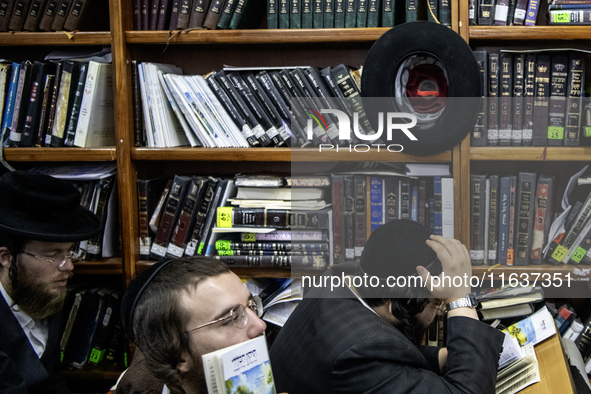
(39,207)
(396,248)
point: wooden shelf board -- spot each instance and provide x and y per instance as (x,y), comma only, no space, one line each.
(251,272)
(55,38)
(255,36)
(530,32)
(530,153)
(60,154)
(276,154)
(577,273)
(110,266)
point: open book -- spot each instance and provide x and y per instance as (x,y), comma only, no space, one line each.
(241,368)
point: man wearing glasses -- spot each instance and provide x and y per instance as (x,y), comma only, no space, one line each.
(178,310)
(40,219)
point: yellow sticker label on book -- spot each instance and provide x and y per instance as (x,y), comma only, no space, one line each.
(578,255)
(248,237)
(555,133)
(559,253)
(224,218)
(561,17)
(587,131)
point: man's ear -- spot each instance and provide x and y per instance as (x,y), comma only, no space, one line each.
(5,257)
(185,362)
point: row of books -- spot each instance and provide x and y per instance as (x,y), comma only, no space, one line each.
(240,108)
(54,15)
(504,12)
(569,12)
(284,14)
(363,202)
(92,334)
(513,223)
(98,188)
(63,103)
(533,98)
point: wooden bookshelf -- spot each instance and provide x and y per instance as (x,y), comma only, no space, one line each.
(111,266)
(537,33)
(55,38)
(59,154)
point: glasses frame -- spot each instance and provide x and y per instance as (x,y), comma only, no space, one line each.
(48,260)
(255,304)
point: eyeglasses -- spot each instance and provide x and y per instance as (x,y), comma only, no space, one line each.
(238,315)
(61,261)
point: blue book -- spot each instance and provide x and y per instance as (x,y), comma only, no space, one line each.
(414,203)
(10,101)
(377,202)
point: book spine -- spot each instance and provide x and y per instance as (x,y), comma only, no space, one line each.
(34,15)
(143,218)
(478,136)
(422,201)
(186,221)
(34,104)
(10,98)
(388,13)
(70,131)
(505,101)
(6,7)
(525,217)
(339,14)
(225,244)
(557,100)
(404,199)
(501,11)
(295,14)
(75,15)
(570,17)
(184,14)
(53,104)
(227,12)
(272,17)
(486,11)
(493,223)
(275,261)
(45,108)
(493,99)
(574,88)
(376,190)
(198,13)
(532,12)
(567,242)
(512,221)
(503,222)
(169,217)
(19,13)
(361,18)
(541,96)
(520,12)
(201,216)
(105,188)
(211,216)
(18,116)
(283,19)
(411,10)
(583,341)
(213,14)
(173,20)
(60,16)
(61,107)
(360,190)
(477,197)
(432,11)
(542,216)
(518,91)
(263,217)
(528,99)
(437,206)
(338,224)
(350,13)
(349,216)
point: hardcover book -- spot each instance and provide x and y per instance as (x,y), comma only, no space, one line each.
(541,96)
(526,184)
(493,99)
(557,99)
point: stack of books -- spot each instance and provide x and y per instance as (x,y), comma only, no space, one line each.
(569,12)
(262,211)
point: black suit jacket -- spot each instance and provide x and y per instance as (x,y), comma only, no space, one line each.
(338,345)
(40,375)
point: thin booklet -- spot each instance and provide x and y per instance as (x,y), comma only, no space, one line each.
(241,368)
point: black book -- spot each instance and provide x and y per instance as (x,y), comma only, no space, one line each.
(210,219)
(104,188)
(68,85)
(445,12)
(202,211)
(19,13)
(493,99)
(255,107)
(574,102)
(486,12)
(48,15)
(557,99)
(149,192)
(52,105)
(45,109)
(541,97)
(105,328)
(268,106)
(477,219)
(78,92)
(518,91)
(198,12)
(493,223)
(34,104)
(232,110)
(505,100)
(478,137)
(185,7)
(528,99)
(34,15)
(20,104)
(526,185)
(139,130)
(5,13)
(213,14)
(238,100)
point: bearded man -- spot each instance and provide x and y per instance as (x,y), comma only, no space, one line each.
(40,221)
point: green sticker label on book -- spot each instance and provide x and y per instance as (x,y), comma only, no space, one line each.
(587,131)
(248,237)
(559,253)
(555,133)
(578,255)
(96,356)
(561,17)
(224,218)
(222,244)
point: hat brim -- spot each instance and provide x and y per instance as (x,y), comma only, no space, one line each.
(80,225)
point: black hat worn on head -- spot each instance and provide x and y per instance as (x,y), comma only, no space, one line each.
(134,291)
(39,207)
(396,248)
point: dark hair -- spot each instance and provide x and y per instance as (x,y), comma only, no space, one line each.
(158,323)
(14,244)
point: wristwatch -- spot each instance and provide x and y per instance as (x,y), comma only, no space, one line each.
(468,301)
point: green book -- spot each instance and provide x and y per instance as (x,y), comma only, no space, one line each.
(295,14)
(361,20)
(339,13)
(350,13)
(307,14)
(272,22)
(227,13)
(317,14)
(328,19)
(373,13)
(284,14)
(248,14)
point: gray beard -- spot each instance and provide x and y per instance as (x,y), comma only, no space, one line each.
(34,301)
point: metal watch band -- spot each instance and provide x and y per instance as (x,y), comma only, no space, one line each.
(460,303)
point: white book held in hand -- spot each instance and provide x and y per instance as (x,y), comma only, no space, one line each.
(241,368)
